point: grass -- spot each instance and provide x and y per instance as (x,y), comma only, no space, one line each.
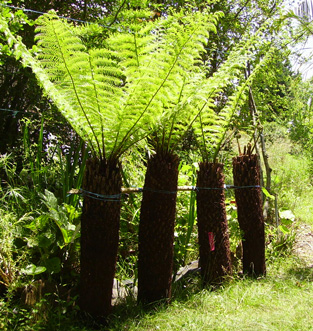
(280,301)
(291,175)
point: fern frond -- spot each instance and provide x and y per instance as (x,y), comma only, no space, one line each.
(143,81)
(213,127)
(87,78)
(160,73)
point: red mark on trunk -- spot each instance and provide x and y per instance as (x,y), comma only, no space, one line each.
(211,241)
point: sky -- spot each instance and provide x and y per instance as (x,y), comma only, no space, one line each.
(306,68)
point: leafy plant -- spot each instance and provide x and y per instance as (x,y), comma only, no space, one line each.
(53,235)
(11,258)
(35,157)
(185,239)
(281,239)
(72,166)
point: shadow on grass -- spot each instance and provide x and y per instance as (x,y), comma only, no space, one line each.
(128,313)
(56,313)
(302,273)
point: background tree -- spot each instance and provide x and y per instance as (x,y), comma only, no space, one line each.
(305,9)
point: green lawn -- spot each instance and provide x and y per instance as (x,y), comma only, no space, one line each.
(280,301)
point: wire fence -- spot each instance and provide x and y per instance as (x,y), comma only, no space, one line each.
(127,190)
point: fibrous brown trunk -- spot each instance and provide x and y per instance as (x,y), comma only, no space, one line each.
(215,259)
(250,214)
(99,236)
(156,229)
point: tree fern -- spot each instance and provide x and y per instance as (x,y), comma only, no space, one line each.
(169,68)
(112,97)
(211,126)
(145,79)
(118,93)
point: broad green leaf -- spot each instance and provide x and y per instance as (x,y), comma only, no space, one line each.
(53,265)
(267,194)
(33,270)
(284,229)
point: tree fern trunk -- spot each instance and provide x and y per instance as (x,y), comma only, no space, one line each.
(99,237)
(215,261)
(250,213)
(156,229)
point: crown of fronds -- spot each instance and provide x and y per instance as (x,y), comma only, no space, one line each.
(210,126)
(146,79)
(195,100)
(117,94)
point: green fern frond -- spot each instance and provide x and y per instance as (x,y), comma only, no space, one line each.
(213,127)
(164,70)
(140,82)
(87,79)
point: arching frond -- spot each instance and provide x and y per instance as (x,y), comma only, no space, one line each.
(147,79)
(196,104)
(88,79)
(174,66)
(211,126)
(120,93)
(158,71)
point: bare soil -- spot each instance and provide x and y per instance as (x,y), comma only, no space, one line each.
(304,244)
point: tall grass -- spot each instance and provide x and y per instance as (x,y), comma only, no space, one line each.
(291,174)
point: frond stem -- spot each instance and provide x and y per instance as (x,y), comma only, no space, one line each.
(98,106)
(198,113)
(174,117)
(117,12)
(205,152)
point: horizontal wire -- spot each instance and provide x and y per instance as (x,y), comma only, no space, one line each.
(96,196)
(11,110)
(23,112)
(125,190)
